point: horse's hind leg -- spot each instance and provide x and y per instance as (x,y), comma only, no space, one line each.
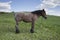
(16,26)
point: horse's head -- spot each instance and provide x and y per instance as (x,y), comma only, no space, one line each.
(43,14)
(40,13)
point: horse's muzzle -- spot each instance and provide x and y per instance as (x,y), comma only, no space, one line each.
(45,17)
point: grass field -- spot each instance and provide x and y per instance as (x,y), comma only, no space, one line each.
(44,29)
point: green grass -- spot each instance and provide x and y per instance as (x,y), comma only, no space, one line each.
(44,29)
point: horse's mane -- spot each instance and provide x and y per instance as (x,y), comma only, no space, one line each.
(36,12)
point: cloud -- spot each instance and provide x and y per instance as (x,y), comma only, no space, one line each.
(52,12)
(5,6)
(48,5)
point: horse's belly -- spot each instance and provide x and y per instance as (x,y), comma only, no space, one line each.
(27,20)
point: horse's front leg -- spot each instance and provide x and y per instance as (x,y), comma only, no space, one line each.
(32,27)
(16,26)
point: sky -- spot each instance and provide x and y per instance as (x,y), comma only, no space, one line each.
(52,7)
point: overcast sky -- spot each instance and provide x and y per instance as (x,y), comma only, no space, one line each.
(52,7)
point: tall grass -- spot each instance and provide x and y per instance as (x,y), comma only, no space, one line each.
(44,29)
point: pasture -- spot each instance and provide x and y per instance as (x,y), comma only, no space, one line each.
(44,29)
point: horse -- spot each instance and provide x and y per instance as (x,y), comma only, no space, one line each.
(28,17)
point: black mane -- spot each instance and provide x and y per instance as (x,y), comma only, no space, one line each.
(36,12)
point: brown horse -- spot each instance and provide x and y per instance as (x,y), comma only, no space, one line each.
(29,17)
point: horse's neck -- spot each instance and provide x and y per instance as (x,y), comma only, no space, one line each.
(37,15)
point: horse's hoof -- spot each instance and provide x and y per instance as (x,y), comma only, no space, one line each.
(31,31)
(17,31)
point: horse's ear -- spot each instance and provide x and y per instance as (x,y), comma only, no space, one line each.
(43,10)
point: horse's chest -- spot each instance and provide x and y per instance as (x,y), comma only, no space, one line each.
(35,17)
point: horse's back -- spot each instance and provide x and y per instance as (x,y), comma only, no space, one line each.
(24,15)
